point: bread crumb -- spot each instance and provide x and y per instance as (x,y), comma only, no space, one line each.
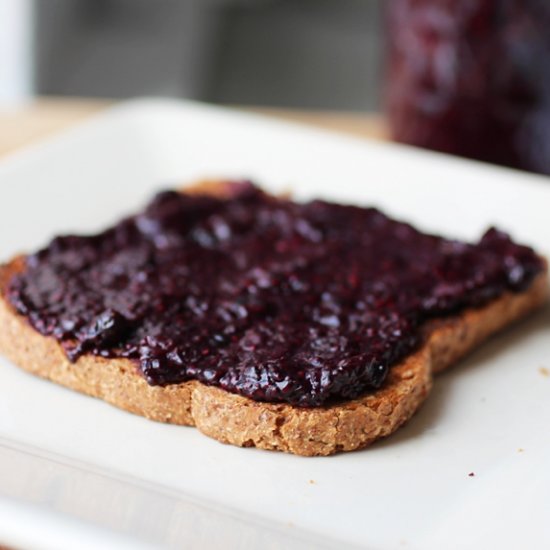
(544,371)
(520,450)
(471,474)
(312,482)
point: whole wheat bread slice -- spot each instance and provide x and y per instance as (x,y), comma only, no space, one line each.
(234,419)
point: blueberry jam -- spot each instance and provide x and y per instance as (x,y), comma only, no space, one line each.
(471,78)
(278,301)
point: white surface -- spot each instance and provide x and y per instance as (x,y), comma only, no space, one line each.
(16,59)
(412,490)
(52,531)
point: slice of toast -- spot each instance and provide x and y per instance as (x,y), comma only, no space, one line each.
(238,420)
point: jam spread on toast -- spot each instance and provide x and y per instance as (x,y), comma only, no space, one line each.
(304,303)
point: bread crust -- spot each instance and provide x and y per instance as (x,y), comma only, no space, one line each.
(238,420)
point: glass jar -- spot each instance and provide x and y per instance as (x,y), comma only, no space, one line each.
(471,78)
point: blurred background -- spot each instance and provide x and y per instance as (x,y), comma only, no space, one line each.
(292,53)
(463,77)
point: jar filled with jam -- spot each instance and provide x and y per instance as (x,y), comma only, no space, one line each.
(471,78)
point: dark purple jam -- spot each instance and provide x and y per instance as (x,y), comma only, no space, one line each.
(471,78)
(278,301)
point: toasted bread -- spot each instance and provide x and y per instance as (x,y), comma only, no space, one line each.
(238,420)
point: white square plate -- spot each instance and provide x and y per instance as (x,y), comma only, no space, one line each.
(72,464)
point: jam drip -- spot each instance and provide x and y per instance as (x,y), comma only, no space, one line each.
(278,301)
